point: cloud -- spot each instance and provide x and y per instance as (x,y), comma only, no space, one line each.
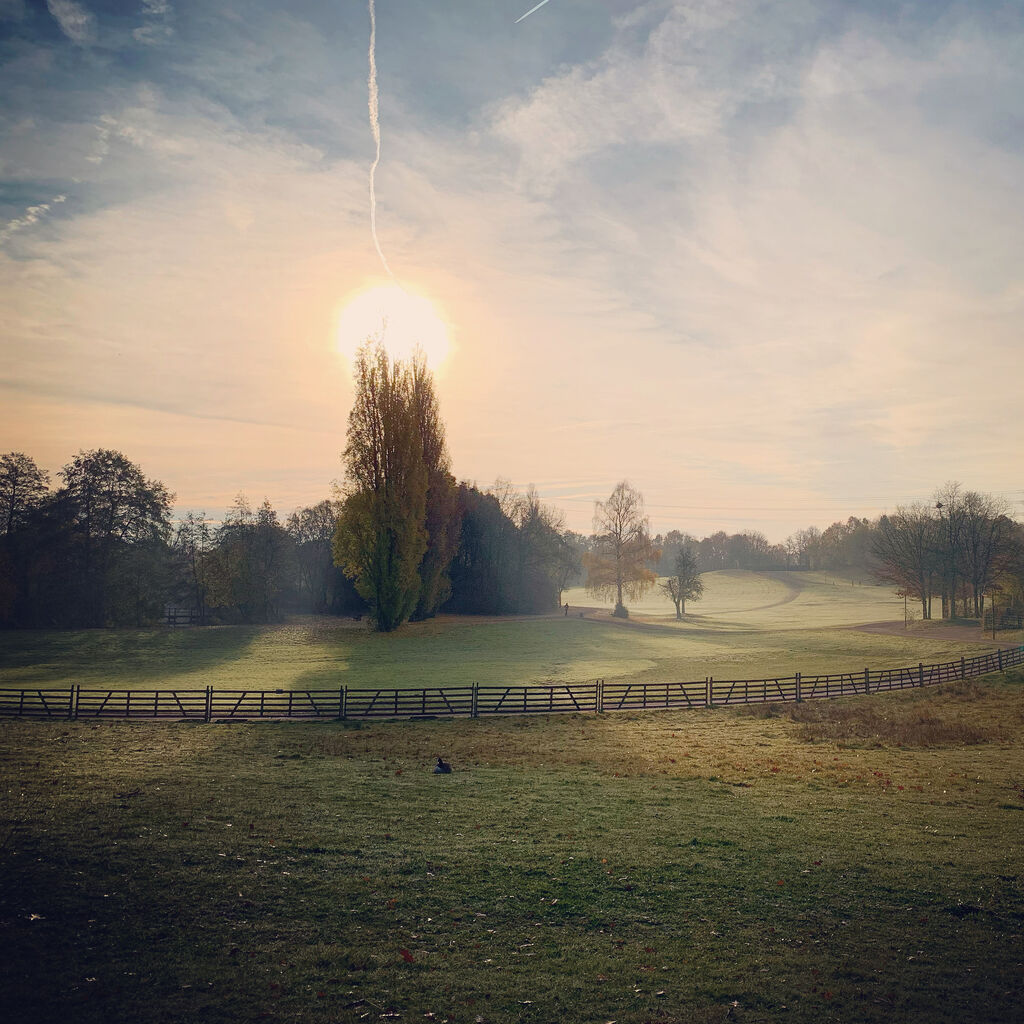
(32,215)
(78,24)
(737,247)
(156,27)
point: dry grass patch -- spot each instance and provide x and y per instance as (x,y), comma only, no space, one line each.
(906,720)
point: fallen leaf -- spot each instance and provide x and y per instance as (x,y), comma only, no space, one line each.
(406,956)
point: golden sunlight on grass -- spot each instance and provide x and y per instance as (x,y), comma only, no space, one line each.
(401,318)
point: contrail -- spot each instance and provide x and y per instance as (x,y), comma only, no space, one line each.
(375,129)
(528,13)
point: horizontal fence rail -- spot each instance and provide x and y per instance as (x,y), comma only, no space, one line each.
(210,705)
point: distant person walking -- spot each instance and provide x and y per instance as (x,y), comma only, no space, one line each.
(567,609)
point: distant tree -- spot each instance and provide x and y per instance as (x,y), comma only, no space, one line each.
(906,551)
(618,565)
(480,577)
(193,541)
(568,561)
(251,563)
(804,548)
(670,545)
(538,548)
(23,486)
(511,553)
(312,531)
(713,551)
(987,546)
(108,508)
(951,509)
(685,583)
(381,538)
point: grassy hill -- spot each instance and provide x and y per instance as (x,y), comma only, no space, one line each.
(737,599)
(750,625)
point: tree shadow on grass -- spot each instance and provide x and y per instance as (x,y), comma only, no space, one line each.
(122,658)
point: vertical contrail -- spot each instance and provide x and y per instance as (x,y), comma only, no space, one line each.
(375,129)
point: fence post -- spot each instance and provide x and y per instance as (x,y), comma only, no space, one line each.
(708,683)
(72,703)
(475,703)
(920,674)
(999,658)
(799,693)
(867,680)
(599,697)
(208,716)
(963,668)
(341,703)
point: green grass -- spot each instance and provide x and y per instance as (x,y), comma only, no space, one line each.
(735,599)
(751,625)
(310,654)
(701,866)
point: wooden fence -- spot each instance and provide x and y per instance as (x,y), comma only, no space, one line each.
(209,705)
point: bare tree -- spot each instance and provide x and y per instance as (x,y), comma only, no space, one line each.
(619,563)
(986,545)
(951,507)
(905,546)
(685,583)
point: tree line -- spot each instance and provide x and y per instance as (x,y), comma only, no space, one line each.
(403,540)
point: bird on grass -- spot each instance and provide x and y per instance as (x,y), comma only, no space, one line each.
(442,767)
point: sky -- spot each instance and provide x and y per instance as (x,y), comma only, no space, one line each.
(762,258)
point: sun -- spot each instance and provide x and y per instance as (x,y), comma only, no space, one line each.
(400,318)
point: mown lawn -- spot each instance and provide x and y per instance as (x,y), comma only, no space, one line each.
(749,625)
(742,599)
(311,653)
(670,867)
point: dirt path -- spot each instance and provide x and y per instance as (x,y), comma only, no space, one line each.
(967,634)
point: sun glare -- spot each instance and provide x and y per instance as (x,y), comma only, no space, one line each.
(401,319)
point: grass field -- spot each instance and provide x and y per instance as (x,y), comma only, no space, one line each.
(740,600)
(853,860)
(751,625)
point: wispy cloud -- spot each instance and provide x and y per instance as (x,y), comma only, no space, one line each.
(77,23)
(32,215)
(156,27)
(737,251)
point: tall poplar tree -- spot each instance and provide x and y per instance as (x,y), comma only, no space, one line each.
(381,536)
(442,521)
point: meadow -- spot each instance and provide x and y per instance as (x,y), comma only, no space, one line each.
(852,860)
(749,625)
